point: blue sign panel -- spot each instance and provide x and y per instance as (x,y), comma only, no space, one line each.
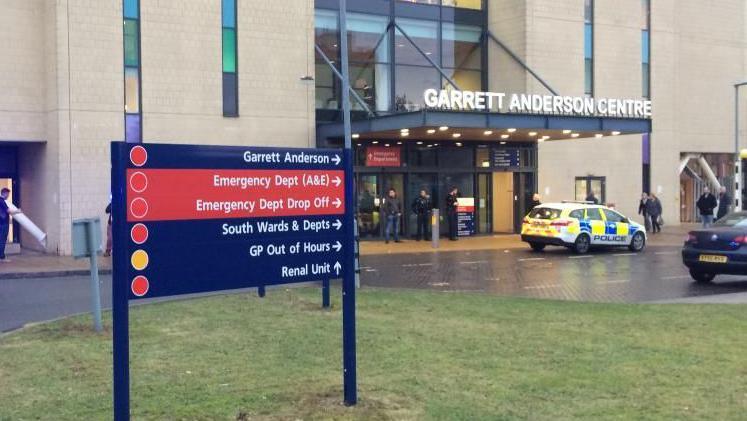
(505,158)
(215,218)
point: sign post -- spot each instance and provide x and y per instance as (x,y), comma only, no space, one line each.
(348,282)
(190,219)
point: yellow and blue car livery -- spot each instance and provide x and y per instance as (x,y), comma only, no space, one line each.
(580,225)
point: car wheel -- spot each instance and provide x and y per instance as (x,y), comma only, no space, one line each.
(637,243)
(701,277)
(582,244)
(537,246)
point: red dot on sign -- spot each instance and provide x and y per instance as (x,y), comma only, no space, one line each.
(138,182)
(139,233)
(138,156)
(138,207)
(140,285)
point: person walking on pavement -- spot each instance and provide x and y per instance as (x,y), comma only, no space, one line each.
(643,212)
(421,207)
(592,198)
(706,204)
(724,203)
(108,210)
(4,222)
(535,201)
(392,211)
(451,211)
(653,210)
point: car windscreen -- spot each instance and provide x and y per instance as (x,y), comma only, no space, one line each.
(544,213)
(732,220)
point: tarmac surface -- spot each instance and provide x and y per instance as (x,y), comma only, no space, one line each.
(34,288)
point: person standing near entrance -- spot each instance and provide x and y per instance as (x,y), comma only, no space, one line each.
(653,210)
(724,203)
(706,204)
(392,212)
(421,207)
(643,212)
(4,222)
(535,201)
(451,211)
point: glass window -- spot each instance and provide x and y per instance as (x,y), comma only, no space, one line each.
(588,76)
(645,11)
(431,2)
(541,212)
(131,56)
(593,214)
(230,95)
(612,216)
(464,4)
(131,8)
(371,82)
(228,10)
(588,11)
(424,34)
(326,33)
(132,128)
(455,156)
(410,83)
(482,157)
(326,87)
(644,46)
(421,156)
(368,38)
(646,78)
(461,46)
(588,41)
(577,214)
(468,80)
(229,50)
(132,90)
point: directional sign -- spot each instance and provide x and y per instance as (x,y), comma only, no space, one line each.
(205,218)
(190,219)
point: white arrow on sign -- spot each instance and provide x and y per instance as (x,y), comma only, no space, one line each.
(337,224)
(338,267)
(337,159)
(336,181)
(337,202)
(337,246)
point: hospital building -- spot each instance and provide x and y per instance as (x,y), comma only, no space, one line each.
(500,98)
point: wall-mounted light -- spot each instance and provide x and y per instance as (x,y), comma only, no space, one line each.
(487,132)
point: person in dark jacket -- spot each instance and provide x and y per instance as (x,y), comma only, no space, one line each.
(4,222)
(642,211)
(724,203)
(108,210)
(535,201)
(653,210)
(421,207)
(706,204)
(392,212)
(451,211)
(592,198)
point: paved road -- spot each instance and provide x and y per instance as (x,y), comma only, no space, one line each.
(604,276)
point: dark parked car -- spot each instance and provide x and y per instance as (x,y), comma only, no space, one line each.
(721,249)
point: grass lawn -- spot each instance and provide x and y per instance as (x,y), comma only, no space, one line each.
(421,355)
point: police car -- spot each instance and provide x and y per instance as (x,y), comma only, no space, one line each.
(580,226)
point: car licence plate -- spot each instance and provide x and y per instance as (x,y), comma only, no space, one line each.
(712,258)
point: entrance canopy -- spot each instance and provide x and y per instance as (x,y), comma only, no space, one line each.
(470,125)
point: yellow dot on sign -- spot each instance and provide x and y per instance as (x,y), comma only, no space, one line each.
(139,259)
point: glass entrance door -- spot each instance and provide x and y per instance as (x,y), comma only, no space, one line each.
(464,182)
(368,195)
(482,204)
